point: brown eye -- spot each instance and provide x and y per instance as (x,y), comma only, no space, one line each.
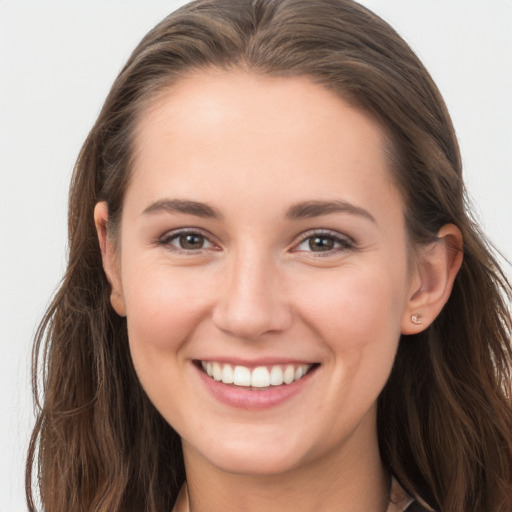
(186,241)
(321,243)
(191,241)
(330,243)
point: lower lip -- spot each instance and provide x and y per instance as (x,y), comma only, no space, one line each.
(250,399)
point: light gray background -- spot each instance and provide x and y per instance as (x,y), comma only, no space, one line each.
(57,62)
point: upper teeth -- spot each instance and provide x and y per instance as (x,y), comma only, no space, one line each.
(259,377)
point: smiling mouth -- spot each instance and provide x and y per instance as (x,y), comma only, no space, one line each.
(260,378)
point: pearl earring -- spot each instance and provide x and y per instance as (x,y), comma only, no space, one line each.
(416,319)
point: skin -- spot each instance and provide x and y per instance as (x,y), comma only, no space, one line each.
(252,148)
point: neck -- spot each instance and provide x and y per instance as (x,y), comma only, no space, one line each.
(351,478)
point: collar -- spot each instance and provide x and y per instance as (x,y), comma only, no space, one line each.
(399,500)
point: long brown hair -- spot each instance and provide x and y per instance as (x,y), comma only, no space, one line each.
(445,415)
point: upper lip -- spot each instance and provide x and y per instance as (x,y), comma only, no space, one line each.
(253,363)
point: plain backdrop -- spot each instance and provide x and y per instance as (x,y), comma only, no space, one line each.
(57,62)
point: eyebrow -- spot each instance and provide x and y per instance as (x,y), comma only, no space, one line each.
(183,206)
(304,210)
(310,209)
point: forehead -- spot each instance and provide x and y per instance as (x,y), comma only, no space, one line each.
(223,130)
(214,97)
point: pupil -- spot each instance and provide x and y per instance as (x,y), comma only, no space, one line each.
(191,241)
(319,243)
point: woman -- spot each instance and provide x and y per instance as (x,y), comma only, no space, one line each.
(275,298)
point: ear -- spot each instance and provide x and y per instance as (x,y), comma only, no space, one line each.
(109,257)
(432,280)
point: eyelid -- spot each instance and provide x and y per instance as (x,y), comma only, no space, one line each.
(166,239)
(346,242)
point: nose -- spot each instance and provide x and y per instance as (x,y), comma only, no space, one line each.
(252,300)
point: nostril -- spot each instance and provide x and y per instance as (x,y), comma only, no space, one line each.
(250,321)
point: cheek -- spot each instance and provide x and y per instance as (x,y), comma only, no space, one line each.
(358,306)
(163,306)
(359,320)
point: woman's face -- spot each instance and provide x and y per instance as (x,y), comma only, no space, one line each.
(262,238)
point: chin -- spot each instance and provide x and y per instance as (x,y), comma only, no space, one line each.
(238,456)
(264,464)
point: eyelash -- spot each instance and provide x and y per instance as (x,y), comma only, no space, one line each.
(344,243)
(168,238)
